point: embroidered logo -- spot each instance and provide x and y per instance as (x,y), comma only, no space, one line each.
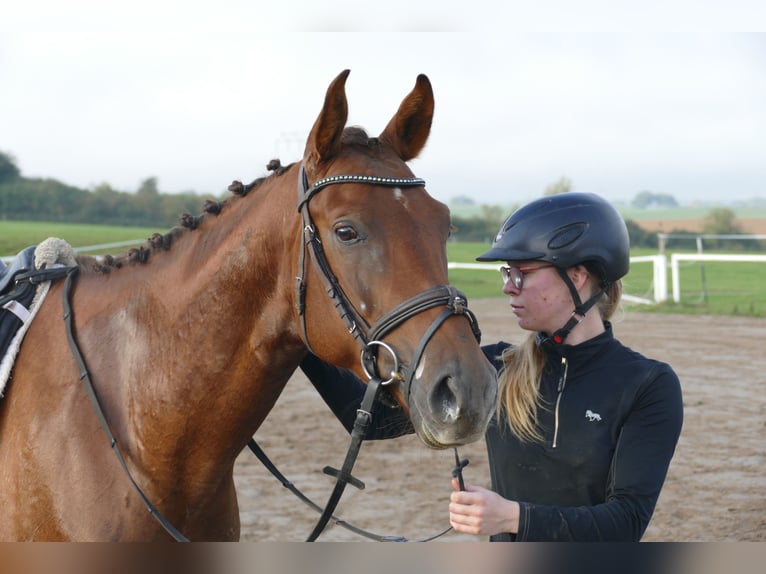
(591,416)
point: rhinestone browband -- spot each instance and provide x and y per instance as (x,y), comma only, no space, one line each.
(374,179)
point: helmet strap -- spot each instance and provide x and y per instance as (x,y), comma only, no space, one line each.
(580,308)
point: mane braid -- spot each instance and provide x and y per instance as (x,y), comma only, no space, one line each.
(213,207)
(240,189)
(189,221)
(186,222)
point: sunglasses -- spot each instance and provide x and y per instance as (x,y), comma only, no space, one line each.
(516,274)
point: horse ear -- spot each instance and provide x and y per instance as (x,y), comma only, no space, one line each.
(324,140)
(408,130)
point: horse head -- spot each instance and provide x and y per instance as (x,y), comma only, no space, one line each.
(377,241)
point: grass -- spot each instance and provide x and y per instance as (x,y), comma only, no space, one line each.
(16,235)
(715,288)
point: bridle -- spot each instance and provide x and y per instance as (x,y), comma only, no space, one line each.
(369,337)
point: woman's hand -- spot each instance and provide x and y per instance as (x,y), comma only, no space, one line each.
(482,512)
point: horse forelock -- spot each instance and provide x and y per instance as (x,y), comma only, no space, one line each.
(355,135)
(357,138)
(186,223)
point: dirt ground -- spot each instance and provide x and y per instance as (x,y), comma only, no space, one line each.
(715,490)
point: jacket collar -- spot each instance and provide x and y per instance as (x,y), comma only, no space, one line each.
(580,353)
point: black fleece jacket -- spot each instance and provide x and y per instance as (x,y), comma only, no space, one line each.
(611,421)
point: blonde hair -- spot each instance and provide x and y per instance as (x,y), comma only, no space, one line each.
(519,399)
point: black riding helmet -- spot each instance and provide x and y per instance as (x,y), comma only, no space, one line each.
(565,230)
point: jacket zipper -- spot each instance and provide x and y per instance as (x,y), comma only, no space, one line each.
(560,390)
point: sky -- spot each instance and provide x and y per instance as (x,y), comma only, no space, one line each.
(617,96)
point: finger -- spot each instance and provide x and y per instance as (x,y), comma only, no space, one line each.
(471,488)
(465,524)
(464,497)
(461,504)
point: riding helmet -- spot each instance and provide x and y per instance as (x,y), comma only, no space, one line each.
(566,229)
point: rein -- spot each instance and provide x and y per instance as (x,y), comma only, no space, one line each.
(457,473)
(91,392)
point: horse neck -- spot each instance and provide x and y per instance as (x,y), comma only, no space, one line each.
(206,329)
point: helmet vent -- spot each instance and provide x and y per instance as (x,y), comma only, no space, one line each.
(567,235)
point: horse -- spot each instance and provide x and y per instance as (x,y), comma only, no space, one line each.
(188,340)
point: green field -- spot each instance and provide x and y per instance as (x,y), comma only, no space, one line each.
(717,288)
(16,235)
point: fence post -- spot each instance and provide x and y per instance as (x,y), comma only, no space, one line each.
(660,278)
(661,238)
(675,277)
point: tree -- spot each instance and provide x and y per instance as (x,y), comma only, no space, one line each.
(665,200)
(8,169)
(563,185)
(721,221)
(462,200)
(639,237)
(646,199)
(481,227)
(148,188)
(147,201)
(642,200)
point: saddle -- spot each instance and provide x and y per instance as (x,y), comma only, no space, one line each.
(15,296)
(19,283)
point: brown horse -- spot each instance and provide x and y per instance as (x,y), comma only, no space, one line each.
(190,340)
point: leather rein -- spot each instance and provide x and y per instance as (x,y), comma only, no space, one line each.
(368,338)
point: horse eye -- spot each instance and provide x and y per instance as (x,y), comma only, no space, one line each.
(346,234)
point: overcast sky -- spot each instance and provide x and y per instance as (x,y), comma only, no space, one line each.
(197,94)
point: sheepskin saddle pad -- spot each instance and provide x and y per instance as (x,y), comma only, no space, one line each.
(24,283)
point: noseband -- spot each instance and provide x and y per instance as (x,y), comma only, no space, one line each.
(369,337)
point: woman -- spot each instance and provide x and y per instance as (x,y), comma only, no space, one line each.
(585,427)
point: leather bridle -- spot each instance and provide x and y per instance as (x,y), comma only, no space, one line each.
(369,337)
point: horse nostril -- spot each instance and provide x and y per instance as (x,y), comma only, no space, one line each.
(444,401)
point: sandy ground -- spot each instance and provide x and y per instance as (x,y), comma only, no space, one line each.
(715,490)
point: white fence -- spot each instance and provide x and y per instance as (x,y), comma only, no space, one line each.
(676,257)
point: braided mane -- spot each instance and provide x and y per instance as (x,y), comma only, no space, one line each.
(186,222)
